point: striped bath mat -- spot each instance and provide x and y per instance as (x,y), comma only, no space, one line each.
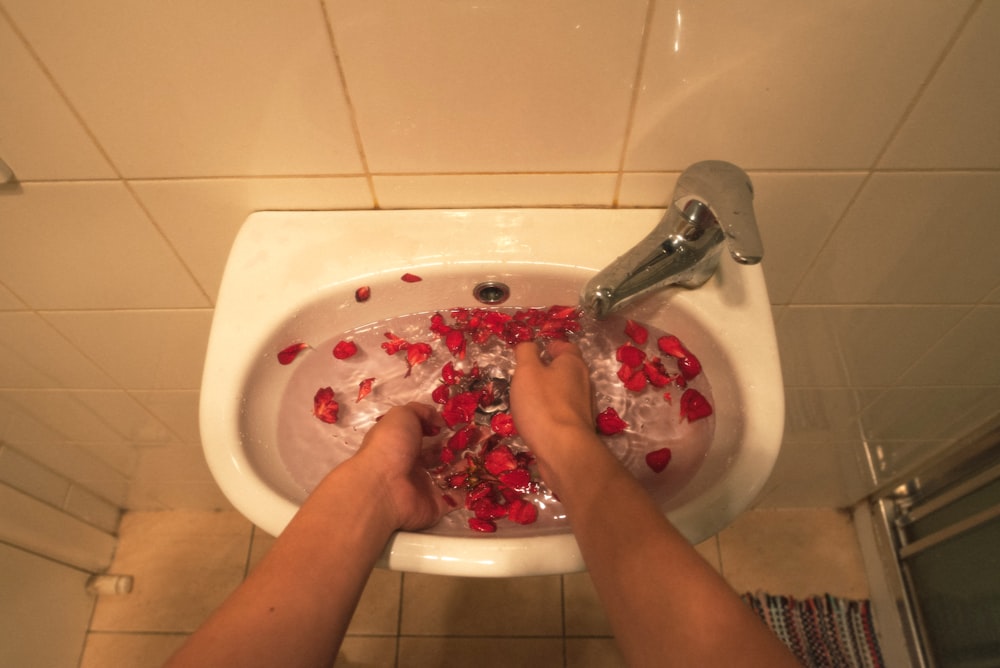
(823,631)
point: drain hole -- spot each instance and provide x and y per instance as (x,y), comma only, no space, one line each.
(491,292)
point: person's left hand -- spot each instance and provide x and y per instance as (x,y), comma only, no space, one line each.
(391,451)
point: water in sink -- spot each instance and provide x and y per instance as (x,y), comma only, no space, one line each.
(310,448)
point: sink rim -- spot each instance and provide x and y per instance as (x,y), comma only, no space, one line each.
(257,279)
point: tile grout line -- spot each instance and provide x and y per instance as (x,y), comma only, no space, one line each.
(633,101)
(355,126)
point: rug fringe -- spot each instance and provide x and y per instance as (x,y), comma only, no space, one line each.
(822,631)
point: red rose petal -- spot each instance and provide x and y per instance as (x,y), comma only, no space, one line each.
(441,394)
(364,389)
(288,355)
(394,344)
(417,353)
(522,512)
(518,479)
(636,332)
(362,294)
(630,355)
(658,459)
(503,424)
(345,349)
(689,366)
(460,408)
(694,406)
(610,423)
(324,406)
(410,278)
(499,459)
(482,526)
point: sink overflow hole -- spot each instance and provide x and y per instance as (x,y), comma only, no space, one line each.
(491,292)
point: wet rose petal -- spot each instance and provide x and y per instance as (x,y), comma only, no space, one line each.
(394,344)
(345,349)
(657,460)
(610,423)
(324,406)
(362,294)
(503,424)
(288,355)
(636,332)
(364,388)
(694,406)
(417,353)
(500,459)
(522,512)
(482,526)
(441,394)
(410,278)
(630,355)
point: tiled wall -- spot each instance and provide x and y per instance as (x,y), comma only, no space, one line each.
(144,132)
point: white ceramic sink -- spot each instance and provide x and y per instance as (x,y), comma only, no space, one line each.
(292,276)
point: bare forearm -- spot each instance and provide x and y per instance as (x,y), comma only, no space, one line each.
(667,606)
(294,608)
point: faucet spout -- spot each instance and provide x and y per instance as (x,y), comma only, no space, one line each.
(712,204)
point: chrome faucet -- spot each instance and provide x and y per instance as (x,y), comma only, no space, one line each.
(712,202)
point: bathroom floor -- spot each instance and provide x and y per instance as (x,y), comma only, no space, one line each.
(186,562)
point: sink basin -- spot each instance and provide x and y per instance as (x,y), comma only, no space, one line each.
(292,276)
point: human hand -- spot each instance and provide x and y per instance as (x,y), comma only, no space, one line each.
(391,451)
(551,402)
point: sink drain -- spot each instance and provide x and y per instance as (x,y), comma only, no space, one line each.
(491,292)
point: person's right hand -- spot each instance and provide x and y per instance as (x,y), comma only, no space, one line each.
(551,403)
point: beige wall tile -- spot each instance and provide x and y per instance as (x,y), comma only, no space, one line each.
(494,190)
(954,122)
(61,414)
(45,350)
(126,416)
(88,245)
(241,89)
(889,248)
(793,552)
(49,142)
(858,346)
(9,302)
(438,605)
(200,217)
(174,476)
(774,86)
(141,349)
(184,565)
(177,409)
(504,87)
(928,413)
(966,355)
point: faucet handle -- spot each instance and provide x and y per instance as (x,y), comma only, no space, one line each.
(730,192)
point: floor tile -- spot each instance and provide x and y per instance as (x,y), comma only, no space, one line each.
(593,653)
(451,652)
(436,605)
(184,563)
(584,613)
(794,552)
(130,650)
(363,652)
(378,610)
